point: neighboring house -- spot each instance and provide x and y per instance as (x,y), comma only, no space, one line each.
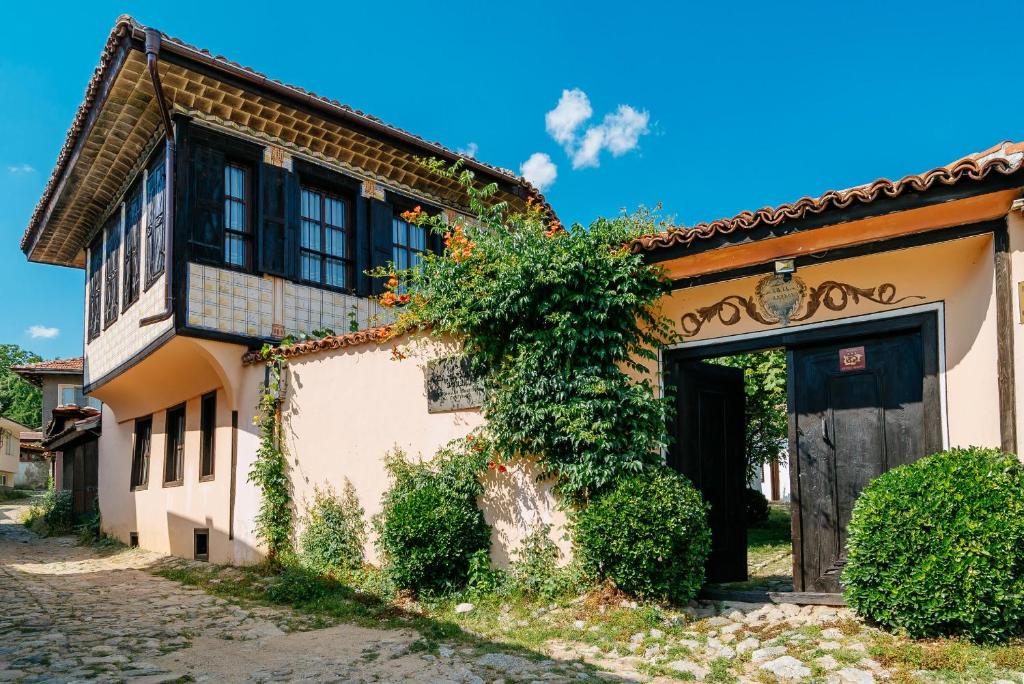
(34,466)
(214,210)
(64,401)
(10,450)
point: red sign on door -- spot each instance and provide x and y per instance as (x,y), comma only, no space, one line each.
(852,358)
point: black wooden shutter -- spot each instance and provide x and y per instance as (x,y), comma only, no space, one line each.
(278,221)
(381,217)
(361,244)
(206,236)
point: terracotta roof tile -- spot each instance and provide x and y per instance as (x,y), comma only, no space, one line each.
(1004,158)
(375,335)
(126,25)
(75,365)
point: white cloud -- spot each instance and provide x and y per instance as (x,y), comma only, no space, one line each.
(539,170)
(573,109)
(469,150)
(619,133)
(42,332)
(19,169)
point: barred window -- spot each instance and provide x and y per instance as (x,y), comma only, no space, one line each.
(155,203)
(325,250)
(133,219)
(111,268)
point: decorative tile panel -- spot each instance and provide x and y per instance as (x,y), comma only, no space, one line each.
(229,302)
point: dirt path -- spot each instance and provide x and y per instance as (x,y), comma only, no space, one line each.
(76,614)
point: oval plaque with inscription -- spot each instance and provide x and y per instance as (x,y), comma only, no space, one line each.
(781,296)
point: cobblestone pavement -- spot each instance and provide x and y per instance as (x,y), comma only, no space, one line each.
(73,613)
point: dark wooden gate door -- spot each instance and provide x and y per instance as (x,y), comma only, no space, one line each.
(857,409)
(709,450)
(90,454)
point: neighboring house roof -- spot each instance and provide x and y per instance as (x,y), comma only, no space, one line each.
(13,426)
(31,442)
(69,423)
(103,81)
(34,372)
(1005,158)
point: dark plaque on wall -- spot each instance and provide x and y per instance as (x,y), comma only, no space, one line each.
(451,385)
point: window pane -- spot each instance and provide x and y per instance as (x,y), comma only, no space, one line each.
(234,249)
(418,237)
(399,230)
(336,243)
(336,273)
(311,235)
(401,258)
(335,212)
(310,267)
(415,259)
(310,204)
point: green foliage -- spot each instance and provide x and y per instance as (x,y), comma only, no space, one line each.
(269,471)
(764,379)
(429,526)
(296,585)
(481,577)
(334,531)
(757,507)
(937,547)
(88,527)
(649,535)
(535,570)
(552,320)
(19,400)
(53,514)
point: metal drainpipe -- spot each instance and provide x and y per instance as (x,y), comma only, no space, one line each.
(152,55)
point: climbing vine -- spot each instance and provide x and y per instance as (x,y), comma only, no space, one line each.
(269,471)
(560,324)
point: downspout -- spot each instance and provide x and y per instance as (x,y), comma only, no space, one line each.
(152,55)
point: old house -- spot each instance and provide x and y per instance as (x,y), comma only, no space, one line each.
(214,210)
(10,450)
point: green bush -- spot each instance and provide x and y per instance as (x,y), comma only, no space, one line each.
(937,547)
(334,531)
(297,585)
(648,534)
(429,525)
(53,514)
(757,507)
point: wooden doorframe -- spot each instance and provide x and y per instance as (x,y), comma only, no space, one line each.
(928,319)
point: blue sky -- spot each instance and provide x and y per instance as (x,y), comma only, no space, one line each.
(711,108)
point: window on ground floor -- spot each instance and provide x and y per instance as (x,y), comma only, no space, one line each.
(207,430)
(202,545)
(174,458)
(140,452)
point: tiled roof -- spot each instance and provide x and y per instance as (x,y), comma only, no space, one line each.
(126,25)
(34,372)
(1004,158)
(375,335)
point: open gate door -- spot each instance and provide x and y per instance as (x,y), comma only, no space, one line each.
(709,449)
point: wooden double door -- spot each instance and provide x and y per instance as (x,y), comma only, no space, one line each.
(81,475)
(861,400)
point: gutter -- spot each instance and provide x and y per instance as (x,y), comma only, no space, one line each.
(153,42)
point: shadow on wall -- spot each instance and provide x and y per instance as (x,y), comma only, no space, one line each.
(515,504)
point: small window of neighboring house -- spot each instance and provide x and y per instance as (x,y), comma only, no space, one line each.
(326,251)
(237,219)
(3,480)
(207,431)
(141,452)
(71,395)
(174,457)
(408,244)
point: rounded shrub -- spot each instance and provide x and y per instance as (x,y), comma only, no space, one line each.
(757,507)
(936,548)
(648,534)
(430,526)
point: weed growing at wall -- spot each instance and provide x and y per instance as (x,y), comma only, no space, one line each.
(333,531)
(269,471)
(557,322)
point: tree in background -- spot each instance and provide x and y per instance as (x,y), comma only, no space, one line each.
(764,380)
(19,400)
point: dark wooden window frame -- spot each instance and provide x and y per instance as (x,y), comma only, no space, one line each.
(130,247)
(248,236)
(113,226)
(94,312)
(155,209)
(141,461)
(208,436)
(169,446)
(133,540)
(349,262)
